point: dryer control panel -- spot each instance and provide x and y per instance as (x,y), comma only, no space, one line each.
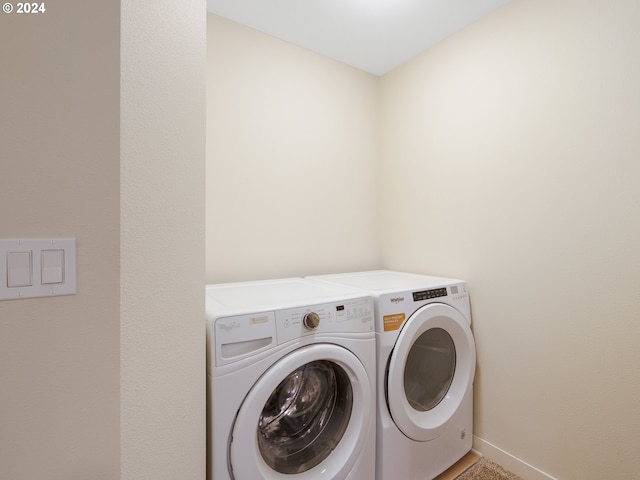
(396,307)
(429,294)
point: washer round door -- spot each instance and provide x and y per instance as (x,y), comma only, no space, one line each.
(430,370)
(306,417)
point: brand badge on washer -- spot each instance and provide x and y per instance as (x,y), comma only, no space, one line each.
(393,322)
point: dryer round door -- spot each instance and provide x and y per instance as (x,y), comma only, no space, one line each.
(430,370)
(306,417)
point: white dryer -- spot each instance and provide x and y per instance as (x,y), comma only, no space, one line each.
(425,367)
(290,381)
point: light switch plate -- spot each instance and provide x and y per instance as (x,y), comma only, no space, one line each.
(53,267)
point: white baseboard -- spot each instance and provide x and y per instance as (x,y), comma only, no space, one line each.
(508,461)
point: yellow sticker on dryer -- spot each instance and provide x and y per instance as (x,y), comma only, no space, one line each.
(393,322)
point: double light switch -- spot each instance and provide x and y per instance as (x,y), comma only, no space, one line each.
(40,267)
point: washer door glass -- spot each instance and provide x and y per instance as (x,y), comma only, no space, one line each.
(429,369)
(308,416)
(305,417)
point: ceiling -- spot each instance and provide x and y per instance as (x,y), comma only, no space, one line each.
(373,35)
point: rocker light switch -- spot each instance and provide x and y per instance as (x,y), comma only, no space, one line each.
(19,269)
(52,266)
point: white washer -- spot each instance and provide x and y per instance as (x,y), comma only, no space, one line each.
(290,381)
(425,367)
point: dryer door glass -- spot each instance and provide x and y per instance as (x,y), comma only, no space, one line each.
(305,417)
(429,369)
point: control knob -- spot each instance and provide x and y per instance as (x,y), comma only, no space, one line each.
(311,320)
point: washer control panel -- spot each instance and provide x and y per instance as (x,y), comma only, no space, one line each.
(240,336)
(346,316)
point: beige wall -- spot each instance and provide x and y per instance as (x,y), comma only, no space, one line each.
(108,383)
(291,145)
(162,237)
(59,176)
(510,158)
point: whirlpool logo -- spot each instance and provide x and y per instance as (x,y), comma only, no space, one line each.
(397,300)
(227,327)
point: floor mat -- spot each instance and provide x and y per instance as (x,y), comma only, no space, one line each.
(485,469)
